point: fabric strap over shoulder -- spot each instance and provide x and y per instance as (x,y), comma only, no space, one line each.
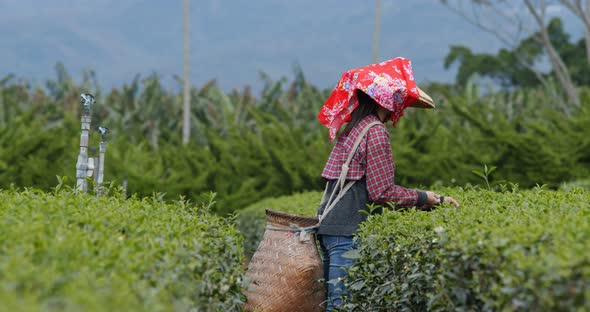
(340,188)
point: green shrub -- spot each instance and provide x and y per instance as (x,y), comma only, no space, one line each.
(65,252)
(252,219)
(515,250)
(247,148)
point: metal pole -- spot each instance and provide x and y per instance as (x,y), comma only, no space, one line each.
(82,164)
(186,127)
(92,164)
(376,31)
(102,150)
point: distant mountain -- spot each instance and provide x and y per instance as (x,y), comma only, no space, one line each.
(231,41)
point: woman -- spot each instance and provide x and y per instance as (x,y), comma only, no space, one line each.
(365,98)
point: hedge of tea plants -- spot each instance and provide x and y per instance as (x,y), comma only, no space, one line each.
(500,251)
(524,250)
(62,252)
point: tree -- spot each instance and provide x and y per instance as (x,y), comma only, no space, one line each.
(559,67)
(512,68)
(582,10)
(500,12)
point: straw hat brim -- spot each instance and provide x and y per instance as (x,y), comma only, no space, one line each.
(424,101)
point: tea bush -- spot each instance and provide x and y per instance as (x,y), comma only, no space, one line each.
(514,250)
(62,252)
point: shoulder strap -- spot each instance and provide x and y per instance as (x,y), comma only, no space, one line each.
(344,172)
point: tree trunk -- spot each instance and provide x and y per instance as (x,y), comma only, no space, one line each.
(503,37)
(559,67)
(583,12)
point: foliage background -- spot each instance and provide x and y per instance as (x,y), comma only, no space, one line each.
(247,148)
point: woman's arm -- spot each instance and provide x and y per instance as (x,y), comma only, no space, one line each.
(381,172)
(381,177)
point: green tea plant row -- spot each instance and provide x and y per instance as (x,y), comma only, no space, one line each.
(62,252)
(524,250)
(510,250)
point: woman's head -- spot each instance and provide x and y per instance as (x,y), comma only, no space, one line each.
(367,106)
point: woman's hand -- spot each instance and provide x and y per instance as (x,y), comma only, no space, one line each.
(450,200)
(433,199)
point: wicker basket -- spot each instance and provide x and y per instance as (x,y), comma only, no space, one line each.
(285,272)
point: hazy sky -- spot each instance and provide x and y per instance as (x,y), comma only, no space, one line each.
(231,40)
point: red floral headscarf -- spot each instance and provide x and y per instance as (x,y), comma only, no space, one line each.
(390,83)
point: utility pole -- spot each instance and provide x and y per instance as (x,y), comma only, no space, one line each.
(186,97)
(376,31)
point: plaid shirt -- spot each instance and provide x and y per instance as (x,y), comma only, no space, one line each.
(374,159)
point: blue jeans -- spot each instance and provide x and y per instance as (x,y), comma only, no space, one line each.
(334,264)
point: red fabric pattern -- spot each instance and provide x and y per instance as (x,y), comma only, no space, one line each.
(374,159)
(390,83)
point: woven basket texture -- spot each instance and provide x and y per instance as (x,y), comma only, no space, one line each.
(285,273)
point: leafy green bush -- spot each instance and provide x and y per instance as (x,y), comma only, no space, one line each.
(65,252)
(32,153)
(514,250)
(252,219)
(247,148)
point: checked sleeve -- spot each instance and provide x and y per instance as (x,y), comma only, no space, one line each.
(381,171)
